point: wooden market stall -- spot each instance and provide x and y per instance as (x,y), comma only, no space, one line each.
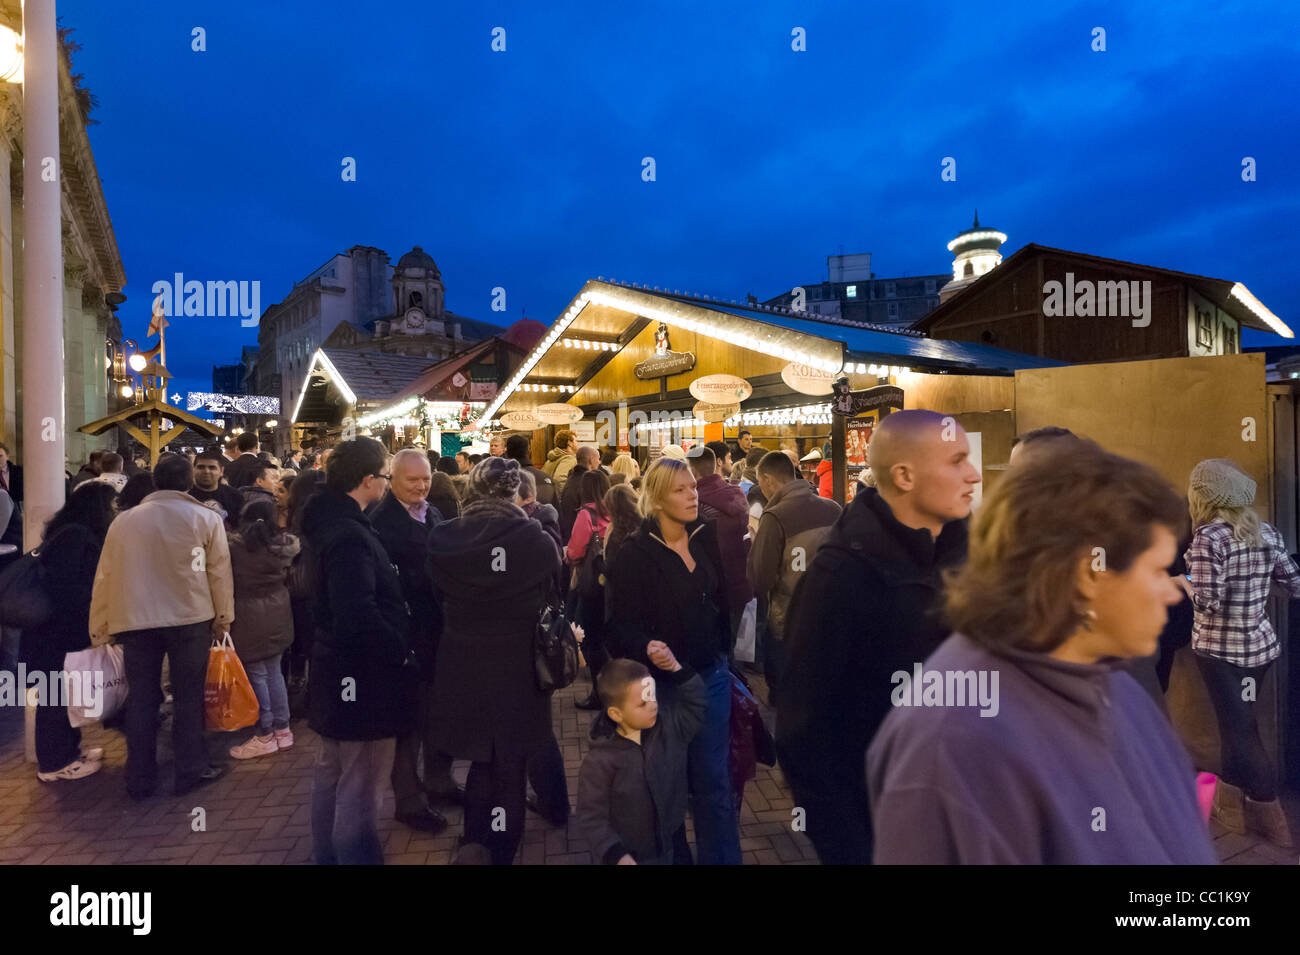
(628,357)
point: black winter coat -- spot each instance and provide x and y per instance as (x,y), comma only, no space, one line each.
(869,606)
(632,796)
(407,542)
(69,558)
(237,471)
(492,569)
(651,596)
(570,500)
(362,627)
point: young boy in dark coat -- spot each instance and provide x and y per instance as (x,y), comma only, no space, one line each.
(632,788)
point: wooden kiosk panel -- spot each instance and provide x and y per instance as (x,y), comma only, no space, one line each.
(1169,413)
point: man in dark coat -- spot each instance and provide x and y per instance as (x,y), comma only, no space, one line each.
(725,505)
(517,448)
(89,470)
(363,672)
(239,471)
(869,607)
(571,494)
(403,521)
(208,486)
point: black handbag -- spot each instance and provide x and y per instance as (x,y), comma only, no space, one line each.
(25,600)
(555,648)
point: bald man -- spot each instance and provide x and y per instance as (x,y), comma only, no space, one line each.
(869,608)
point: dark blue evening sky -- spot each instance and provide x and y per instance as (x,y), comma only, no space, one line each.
(523,169)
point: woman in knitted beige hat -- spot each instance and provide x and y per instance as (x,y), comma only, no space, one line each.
(1233,559)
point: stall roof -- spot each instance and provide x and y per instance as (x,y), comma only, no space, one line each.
(358,377)
(1233,297)
(866,340)
(604,311)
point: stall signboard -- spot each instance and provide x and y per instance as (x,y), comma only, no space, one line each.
(664,361)
(807,380)
(857,436)
(584,431)
(721,389)
(521,421)
(558,413)
(852,403)
(712,413)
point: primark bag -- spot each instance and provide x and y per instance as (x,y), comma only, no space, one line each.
(95,684)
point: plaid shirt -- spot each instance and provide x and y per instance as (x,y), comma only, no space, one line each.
(1231,581)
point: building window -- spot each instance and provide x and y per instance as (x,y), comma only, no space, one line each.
(851,291)
(929,286)
(889,290)
(893,310)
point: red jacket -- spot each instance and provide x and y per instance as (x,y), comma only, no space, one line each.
(725,505)
(825,479)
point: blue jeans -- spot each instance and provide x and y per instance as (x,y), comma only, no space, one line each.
(351,777)
(713,807)
(272,695)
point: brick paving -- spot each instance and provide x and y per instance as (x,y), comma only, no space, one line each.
(260,812)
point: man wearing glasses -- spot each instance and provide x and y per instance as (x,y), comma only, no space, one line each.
(363,672)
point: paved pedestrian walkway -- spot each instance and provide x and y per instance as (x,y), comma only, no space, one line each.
(260,812)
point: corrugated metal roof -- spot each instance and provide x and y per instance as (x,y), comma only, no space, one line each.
(375,376)
(897,346)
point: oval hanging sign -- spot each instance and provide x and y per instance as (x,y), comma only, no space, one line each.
(558,413)
(807,380)
(721,389)
(705,411)
(521,421)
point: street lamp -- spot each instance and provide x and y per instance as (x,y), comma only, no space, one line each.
(11,56)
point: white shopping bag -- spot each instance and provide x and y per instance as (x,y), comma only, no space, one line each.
(95,684)
(747,634)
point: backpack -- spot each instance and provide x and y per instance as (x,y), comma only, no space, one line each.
(591,572)
(25,600)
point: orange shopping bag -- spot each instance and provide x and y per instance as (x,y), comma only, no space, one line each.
(228,697)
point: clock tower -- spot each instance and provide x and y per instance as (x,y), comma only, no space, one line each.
(418,295)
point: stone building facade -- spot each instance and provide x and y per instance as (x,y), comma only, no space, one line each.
(92,268)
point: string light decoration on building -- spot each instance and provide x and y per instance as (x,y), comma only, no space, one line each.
(794,415)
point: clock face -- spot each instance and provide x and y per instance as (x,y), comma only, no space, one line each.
(414,318)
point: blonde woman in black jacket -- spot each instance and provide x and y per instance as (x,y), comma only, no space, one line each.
(666,583)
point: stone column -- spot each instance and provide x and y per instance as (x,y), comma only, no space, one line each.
(44,425)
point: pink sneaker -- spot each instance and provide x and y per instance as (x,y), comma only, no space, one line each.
(255,746)
(284,738)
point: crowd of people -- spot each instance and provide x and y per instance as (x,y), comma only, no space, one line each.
(403,592)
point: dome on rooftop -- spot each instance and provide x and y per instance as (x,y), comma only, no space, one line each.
(417,258)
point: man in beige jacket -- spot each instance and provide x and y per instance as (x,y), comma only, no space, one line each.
(164,587)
